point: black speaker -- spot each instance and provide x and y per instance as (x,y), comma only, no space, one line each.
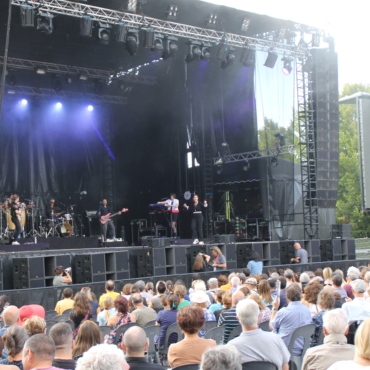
(243,254)
(159,257)
(326,250)
(28,268)
(81,269)
(286,252)
(98,263)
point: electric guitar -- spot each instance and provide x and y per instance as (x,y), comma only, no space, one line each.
(106,218)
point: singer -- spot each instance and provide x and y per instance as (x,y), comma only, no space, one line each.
(197,221)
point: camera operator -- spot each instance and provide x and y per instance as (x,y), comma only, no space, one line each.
(62,276)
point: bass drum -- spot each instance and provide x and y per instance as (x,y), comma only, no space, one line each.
(65,230)
(9,221)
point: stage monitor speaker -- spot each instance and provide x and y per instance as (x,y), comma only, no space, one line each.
(286,252)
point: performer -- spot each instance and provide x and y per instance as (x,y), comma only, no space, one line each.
(172,205)
(16,213)
(50,210)
(106,223)
(197,220)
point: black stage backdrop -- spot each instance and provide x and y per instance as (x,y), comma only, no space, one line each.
(47,153)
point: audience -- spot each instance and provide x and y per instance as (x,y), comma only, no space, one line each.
(87,337)
(81,311)
(93,302)
(66,303)
(10,317)
(155,302)
(336,282)
(14,340)
(141,314)
(61,334)
(199,299)
(221,358)
(264,313)
(107,312)
(191,348)
(359,308)
(181,291)
(255,344)
(34,325)
(309,294)
(109,292)
(103,357)
(335,347)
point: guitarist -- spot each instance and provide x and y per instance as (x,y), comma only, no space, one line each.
(103,211)
(16,213)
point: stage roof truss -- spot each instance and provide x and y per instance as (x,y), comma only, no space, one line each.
(264,153)
(73,70)
(71,95)
(168,28)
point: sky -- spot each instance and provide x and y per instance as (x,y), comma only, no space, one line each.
(347,22)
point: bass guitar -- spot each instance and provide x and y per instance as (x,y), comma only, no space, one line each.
(106,218)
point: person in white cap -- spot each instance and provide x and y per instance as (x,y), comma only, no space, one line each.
(359,308)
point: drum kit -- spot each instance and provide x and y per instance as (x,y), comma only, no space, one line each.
(38,226)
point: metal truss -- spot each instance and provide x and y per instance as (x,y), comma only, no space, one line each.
(168,28)
(307,146)
(265,153)
(73,70)
(43,92)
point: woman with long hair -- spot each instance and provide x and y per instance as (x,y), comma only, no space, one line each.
(107,312)
(309,297)
(14,340)
(264,290)
(200,264)
(255,265)
(93,302)
(217,260)
(122,317)
(88,336)
(264,312)
(81,311)
(327,273)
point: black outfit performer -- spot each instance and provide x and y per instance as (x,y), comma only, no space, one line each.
(50,210)
(197,221)
(15,212)
(103,210)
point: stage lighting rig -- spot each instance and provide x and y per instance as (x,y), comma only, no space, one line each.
(45,22)
(170,47)
(271,60)
(206,51)
(172,12)
(104,33)
(248,57)
(245,24)
(194,52)
(132,41)
(152,40)
(27,15)
(287,67)
(120,33)
(212,20)
(86,26)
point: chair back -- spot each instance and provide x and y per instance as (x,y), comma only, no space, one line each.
(49,315)
(172,329)
(150,323)
(208,325)
(352,328)
(50,324)
(62,318)
(67,312)
(216,334)
(151,332)
(235,332)
(121,330)
(187,367)
(104,330)
(259,365)
(265,326)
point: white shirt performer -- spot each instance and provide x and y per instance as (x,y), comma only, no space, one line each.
(172,205)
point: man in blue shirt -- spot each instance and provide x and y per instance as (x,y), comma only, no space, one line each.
(289,318)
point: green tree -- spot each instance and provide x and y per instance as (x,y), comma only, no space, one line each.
(348,208)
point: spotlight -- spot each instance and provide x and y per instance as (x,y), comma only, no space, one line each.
(104,30)
(248,57)
(11,80)
(212,20)
(58,105)
(132,41)
(83,77)
(287,67)
(27,15)
(230,57)
(90,108)
(69,79)
(45,22)
(41,70)
(120,32)
(271,59)
(246,166)
(206,51)
(130,5)
(222,51)
(24,102)
(172,12)
(195,51)
(152,40)
(56,83)
(170,47)
(86,26)
(245,25)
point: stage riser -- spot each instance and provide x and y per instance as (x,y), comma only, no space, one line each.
(36,269)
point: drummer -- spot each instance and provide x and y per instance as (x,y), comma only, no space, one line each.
(16,214)
(51,210)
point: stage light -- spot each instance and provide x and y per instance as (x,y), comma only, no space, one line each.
(195,51)
(245,25)
(287,67)
(11,80)
(172,12)
(152,40)
(56,83)
(248,57)
(27,15)
(129,6)
(132,41)
(230,57)
(246,165)
(69,79)
(212,20)
(104,30)
(24,102)
(271,59)
(86,26)
(58,105)
(222,51)
(41,70)
(170,47)
(120,32)
(90,108)
(206,51)
(83,77)
(274,161)
(45,22)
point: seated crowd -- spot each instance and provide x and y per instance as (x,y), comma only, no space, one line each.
(219,324)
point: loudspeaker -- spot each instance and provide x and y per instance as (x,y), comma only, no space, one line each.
(286,252)
(159,257)
(27,268)
(81,269)
(98,263)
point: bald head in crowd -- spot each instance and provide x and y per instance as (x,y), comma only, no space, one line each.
(135,342)
(236,298)
(11,315)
